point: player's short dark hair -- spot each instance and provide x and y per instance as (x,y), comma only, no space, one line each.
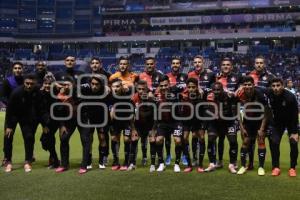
(141,82)
(30,76)
(115,80)
(124,58)
(200,57)
(276,80)
(247,79)
(18,63)
(260,57)
(226,59)
(40,62)
(176,58)
(70,55)
(49,79)
(163,78)
(97,78)
(150,58)
(67,78)
(192,80)
(96,58)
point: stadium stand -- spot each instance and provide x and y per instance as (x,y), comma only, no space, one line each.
(32,30)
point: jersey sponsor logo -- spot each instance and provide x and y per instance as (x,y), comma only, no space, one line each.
(127,132)
(170,96)
(181,85)
(231,129)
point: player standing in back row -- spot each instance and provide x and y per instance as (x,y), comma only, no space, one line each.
(151,76)
(178,84)
(262,78)
(205,79)
(230,82)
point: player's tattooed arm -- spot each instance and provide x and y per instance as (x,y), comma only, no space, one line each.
(239,90)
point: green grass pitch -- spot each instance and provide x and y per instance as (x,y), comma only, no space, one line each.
(44,184)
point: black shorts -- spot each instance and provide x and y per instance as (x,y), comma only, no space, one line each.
(103,130)
(222,128)
(268,129)
(174,128)
(144,129)
(193,125)
(252,128)
(118,126)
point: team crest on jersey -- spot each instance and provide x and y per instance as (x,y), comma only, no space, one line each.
(205,77)
(181,78)
(233,79)
(283,103)
(264,78)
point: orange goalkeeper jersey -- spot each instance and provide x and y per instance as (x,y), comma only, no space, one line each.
(127,79)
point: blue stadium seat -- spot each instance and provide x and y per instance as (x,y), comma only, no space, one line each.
(21,54)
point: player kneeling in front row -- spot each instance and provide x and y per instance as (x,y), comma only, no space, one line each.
(254,121)
(192,96)
(223,104)
(166,124)
(144,122)
(93,115)
(122,113)
(66,111)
